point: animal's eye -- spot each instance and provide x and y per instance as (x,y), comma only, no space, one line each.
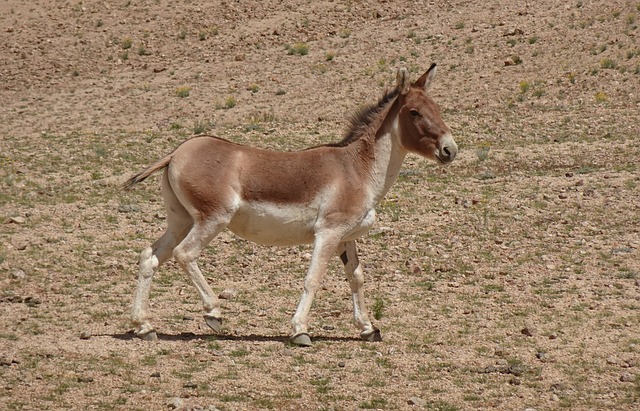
(414,113)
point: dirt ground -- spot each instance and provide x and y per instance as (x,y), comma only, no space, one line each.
(508,280)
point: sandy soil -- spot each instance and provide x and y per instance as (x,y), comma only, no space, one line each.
(509,280)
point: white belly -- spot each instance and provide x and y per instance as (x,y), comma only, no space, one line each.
(275,224)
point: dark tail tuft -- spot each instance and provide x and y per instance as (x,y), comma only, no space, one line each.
(141,176)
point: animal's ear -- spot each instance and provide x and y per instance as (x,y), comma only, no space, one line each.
(402,80)
(426,79)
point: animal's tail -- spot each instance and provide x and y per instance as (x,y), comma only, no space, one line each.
(141,176)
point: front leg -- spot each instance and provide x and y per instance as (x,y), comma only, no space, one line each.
(349,256)
(323,249)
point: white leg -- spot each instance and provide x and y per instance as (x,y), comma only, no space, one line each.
(186,254)
(323,249)
(355,276)
(178,224)
(150,260)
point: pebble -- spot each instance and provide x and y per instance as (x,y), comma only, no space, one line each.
(417,401)
(228,294)
(528,331)
(18,274)
(175,403)
(16,220)
(627,377)
(32,301)
(85,335)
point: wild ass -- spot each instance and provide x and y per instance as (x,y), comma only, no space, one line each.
(323,195)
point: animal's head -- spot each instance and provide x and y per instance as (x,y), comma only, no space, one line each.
(420,125)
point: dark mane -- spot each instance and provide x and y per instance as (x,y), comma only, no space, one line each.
(364,116)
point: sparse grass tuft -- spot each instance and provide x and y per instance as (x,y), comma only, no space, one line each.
(230,102)
(378,308)
(607,63)
(601,97)
(298,49)
(201,127)
(183,91)
(126,43)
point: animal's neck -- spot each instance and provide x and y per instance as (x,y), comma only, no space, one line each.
(389,155)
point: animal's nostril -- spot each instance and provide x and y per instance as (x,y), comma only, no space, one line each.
(446,151)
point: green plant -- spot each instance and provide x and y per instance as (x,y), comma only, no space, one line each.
(378,308)
(300,49)
(183,91)
(459,25)
(601,97)
(253,87)
(322,385)
(533,39)
(230,102)
(201,127)
(329,55)
(482,151)
(524,86)
(126,43)
(607,63)
(142,51)
(374,403)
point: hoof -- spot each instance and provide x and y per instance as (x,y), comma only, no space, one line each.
(214,322)
(371,336)
(301,340)
(147,335)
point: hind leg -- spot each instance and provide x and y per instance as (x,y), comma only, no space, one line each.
(179,222)
(186,254)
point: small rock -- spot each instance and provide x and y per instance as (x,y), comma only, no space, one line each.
(83,379)
(341,364)
(85,335)
(528,331)
(155,374)
(175,403)
(190,385)
(541,355)
(228,294)
(514,381)
(7,362)
(328,327)
(128,208)
(553,336)
(417,401)
(16,220)
(18,274)
(32,301)
(627,377)
(187,318)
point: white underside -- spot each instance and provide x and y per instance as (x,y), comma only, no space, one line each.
(285,225)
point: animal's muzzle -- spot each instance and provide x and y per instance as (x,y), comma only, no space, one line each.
(447,149)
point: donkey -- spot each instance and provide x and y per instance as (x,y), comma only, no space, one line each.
(324,195)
